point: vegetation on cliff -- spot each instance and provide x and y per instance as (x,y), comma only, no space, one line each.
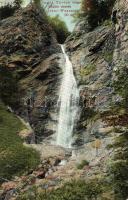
(15,159)
(9,89)
(8,9)
(75,189)
(60,28)
(96,11)
(121,85)
(119,166)
(58,25)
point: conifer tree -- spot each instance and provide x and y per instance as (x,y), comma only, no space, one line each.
(97,11)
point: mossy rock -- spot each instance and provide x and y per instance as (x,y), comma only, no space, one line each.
(87,70)
(82,164)
(108,56)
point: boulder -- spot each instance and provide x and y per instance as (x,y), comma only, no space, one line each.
(9,186)
(27,135)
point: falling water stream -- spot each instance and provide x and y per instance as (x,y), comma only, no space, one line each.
(68,104)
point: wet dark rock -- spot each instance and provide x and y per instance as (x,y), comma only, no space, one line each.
(95,47)
(57,161)
(40,174)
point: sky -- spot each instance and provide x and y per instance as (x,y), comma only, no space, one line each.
(58,7)
(64,10)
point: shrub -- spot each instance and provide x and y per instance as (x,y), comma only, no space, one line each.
(16,160)
(82,164)
(119,170)
(9,93)
(97,11)
(121,85)
(108,56)
(119,167)
(87,70)
(73,190)
(89,113)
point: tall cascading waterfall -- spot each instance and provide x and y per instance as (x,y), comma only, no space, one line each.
(68,102)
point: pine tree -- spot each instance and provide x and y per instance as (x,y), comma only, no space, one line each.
(97,11)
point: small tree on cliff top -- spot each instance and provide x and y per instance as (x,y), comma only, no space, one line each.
(97,10)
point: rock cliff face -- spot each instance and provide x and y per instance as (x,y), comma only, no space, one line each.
(100,64)
(29,49)
(92,55)
(96,57)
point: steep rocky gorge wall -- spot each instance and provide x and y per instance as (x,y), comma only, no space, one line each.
(91,55)
(120,53)
(30,50)
(96,55)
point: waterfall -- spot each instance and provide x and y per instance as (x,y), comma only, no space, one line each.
(68,104)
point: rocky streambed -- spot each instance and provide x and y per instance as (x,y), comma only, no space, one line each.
(58,166)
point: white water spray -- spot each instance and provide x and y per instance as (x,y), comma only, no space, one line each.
(68,102)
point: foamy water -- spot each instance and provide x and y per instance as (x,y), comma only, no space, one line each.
(68,102)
